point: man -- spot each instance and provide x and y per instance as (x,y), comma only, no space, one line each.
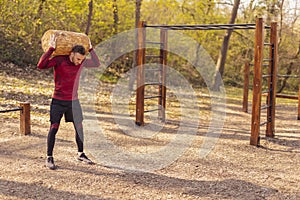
(67,69)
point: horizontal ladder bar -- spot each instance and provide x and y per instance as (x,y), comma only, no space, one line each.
(153,56)
(149,42)
(153,83)
(152,69)
(152,97)
(264,123)
(265,107)
(152,110)
(266,76)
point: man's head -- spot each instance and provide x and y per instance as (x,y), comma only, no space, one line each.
(77,54)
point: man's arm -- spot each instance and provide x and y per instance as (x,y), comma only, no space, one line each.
(93,61)
(46,61)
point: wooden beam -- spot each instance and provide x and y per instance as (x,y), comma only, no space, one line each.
(140,90)
(286,96)
(25,128)
(257,82)
(246,86)
(299,101)
(163,65)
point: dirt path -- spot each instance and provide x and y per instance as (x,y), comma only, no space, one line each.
(232,170)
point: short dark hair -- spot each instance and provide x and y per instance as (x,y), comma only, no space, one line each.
(78,49)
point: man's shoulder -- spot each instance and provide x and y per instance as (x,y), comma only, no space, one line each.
(60,59)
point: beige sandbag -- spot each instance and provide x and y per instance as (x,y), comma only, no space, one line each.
(65,40)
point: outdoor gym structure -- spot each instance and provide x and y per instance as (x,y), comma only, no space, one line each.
(24,109)
(259,63)
(278,95)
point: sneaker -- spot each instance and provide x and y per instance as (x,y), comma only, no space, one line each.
(50,163)
(84,158)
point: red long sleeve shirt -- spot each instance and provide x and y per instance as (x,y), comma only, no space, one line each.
(66,73)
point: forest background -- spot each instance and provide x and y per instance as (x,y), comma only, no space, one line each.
(23,22)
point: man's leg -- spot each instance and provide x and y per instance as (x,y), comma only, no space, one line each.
(74,115)
(51,138)
(79,135)
(50,145)
(56,113)
(79,141)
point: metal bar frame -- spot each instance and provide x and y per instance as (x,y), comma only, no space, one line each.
(257,80)
(205,26)
(271,99)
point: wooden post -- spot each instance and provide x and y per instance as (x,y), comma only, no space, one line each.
(25,119)
(299,101)
(163,64)
(140,90)
(257,82)
(271,99)
(246,86)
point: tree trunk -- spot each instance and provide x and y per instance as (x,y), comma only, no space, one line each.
(138,4)
(220,67)
(116,17)
(37,18)
(115,28)
(89,20)
(283,82)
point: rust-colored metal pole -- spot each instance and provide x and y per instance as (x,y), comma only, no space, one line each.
(299,102)
(257,82)
(246,86)
(163,64)
(140,88)
(271,101)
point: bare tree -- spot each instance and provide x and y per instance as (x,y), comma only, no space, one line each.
(116,16)
(287,63)
(89,20)
(37,18)
(138,4)
(220,67)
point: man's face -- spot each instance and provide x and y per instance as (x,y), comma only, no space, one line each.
(76,58)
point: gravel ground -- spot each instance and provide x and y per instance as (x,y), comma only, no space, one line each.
(233,169)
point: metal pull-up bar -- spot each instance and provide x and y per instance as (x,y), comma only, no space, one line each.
(205,26)
(141,59)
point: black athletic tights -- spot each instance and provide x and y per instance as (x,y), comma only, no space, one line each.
(52,133)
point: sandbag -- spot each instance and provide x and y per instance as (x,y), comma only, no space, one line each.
(65,40)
